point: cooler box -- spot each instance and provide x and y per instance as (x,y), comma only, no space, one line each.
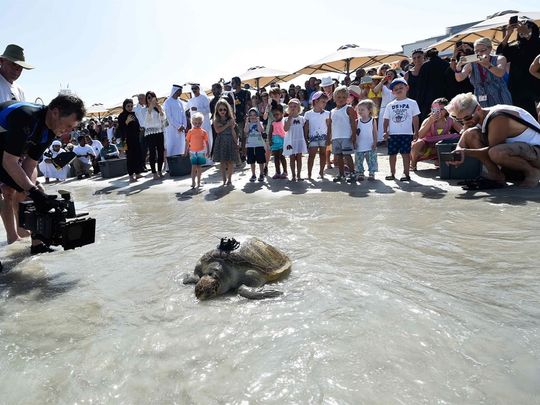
(179,165)
(470,169)
(113,167)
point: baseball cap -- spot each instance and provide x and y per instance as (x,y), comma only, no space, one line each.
(397,81)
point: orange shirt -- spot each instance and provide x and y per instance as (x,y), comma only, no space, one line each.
(197,138)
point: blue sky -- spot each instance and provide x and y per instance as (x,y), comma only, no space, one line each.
(109,50)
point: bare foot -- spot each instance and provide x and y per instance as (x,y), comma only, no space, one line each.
(24,233)
(531,180)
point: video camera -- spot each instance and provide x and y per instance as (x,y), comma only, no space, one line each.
(61,225)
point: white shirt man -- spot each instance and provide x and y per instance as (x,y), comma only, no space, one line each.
(10,91)
(11,65)
(175,132)
(140,110)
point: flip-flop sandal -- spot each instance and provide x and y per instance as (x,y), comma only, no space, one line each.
(389,178)
(466,182)
(405,178)
(482,183)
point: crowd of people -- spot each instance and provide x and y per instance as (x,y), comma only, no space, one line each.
(483,99)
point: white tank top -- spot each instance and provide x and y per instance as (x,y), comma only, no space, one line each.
(529,136)
(341,126)
(365,135)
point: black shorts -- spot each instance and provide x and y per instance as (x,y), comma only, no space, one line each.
(257,154)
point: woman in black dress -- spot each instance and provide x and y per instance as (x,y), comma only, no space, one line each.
(128,128)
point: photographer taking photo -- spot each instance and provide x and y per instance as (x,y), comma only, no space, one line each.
(26,131)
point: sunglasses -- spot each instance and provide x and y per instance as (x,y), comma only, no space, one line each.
(464,119)
(222,109)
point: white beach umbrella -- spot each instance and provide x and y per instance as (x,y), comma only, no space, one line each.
(260,76)
(97,109)
(349,58)
(492,28)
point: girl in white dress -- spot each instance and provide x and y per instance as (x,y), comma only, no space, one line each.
(294,144)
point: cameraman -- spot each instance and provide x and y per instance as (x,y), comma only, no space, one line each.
(26,131)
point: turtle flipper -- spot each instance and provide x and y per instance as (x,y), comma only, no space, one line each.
(257,293)
(191,279)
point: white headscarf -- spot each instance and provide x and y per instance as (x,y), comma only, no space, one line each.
(56,143)
(174,89)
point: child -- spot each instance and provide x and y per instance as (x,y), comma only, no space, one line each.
(197,147)
(277,134)
(400,127)
(255,144)
(294,144)
(226,143)
(384,88)
(366,143)
(274,96)
(316,129)
(343,124)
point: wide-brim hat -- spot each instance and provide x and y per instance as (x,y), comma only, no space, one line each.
(15,54)
(326,81)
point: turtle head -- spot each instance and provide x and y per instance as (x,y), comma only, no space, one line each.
(207,287)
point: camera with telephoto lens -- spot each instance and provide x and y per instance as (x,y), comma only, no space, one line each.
(61,225)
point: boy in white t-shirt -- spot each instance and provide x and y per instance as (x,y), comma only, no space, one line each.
(401,125)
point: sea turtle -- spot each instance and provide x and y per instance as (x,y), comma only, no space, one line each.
(245,266)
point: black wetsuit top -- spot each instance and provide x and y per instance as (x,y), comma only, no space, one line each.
(22,132)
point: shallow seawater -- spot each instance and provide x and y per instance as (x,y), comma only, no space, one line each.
(394,297)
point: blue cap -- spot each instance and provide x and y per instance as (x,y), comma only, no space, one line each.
(397,81)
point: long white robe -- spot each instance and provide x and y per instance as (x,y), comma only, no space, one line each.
(175,142)
(202,104)
(48,169)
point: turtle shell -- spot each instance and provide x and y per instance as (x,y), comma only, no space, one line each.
(257,255)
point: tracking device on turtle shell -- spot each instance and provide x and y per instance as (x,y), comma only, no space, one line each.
(513,20)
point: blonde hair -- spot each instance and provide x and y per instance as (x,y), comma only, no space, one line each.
(462,102)
(369,104)
(225,103)
(297,102)
(341,89)
(197,116)
(483,41)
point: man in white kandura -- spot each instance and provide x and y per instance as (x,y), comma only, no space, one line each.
(201,103)
(175,132)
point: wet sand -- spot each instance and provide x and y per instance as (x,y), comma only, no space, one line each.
(414,292)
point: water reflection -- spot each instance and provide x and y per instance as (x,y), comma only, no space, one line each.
(404,294)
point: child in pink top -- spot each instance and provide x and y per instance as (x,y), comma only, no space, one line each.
(276,141)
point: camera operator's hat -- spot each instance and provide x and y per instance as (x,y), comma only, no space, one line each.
(15,54)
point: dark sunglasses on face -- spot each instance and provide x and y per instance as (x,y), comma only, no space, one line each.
(462,120)
(222,109)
